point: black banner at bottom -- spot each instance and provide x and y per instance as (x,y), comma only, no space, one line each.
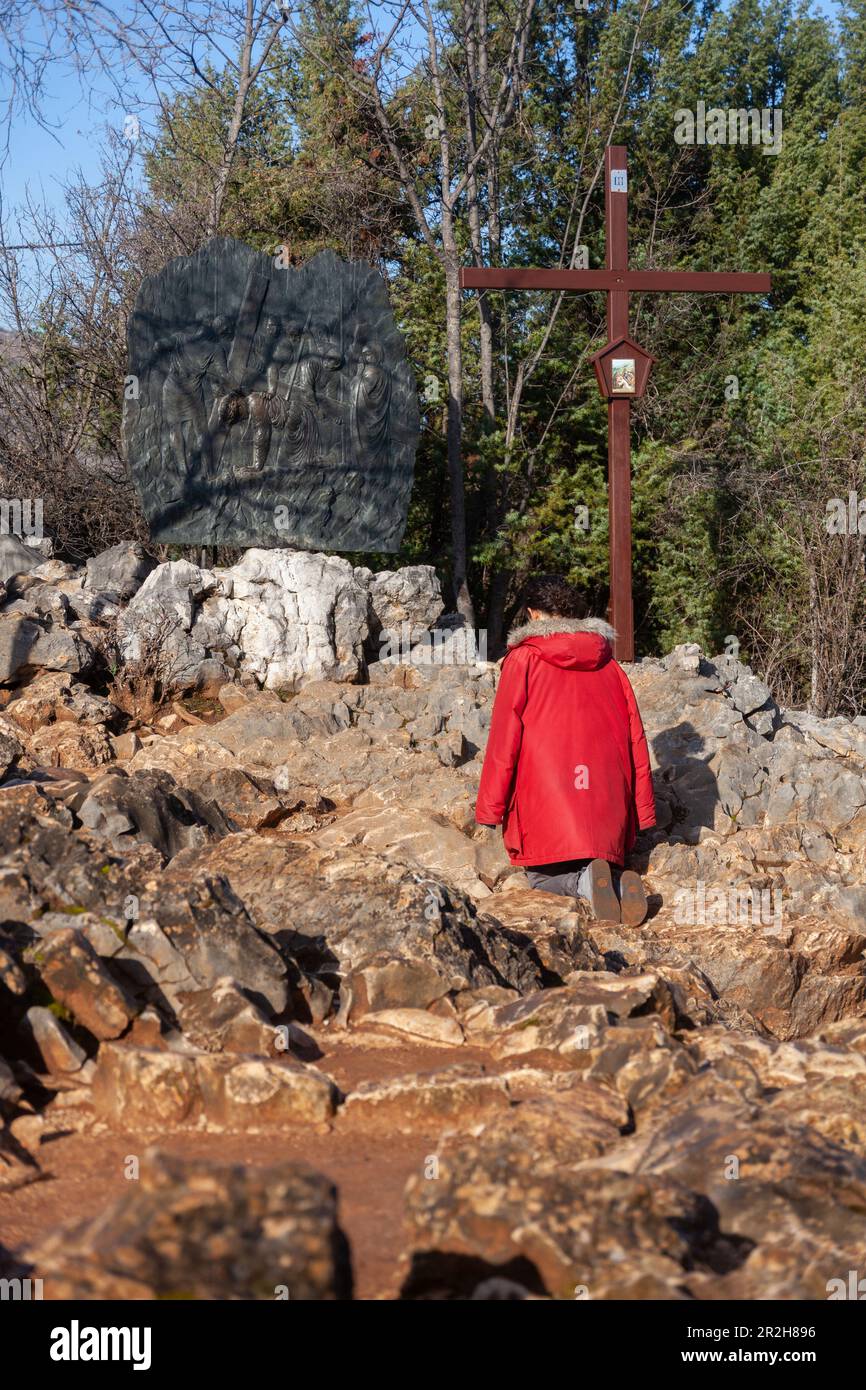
(178,1337)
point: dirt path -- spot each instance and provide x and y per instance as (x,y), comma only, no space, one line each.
(85,1172)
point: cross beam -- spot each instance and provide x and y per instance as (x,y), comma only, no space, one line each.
(693,281)
(617,282)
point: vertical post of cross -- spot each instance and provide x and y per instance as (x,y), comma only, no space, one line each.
(618,411)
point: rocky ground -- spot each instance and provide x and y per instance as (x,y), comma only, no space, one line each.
(279,1020)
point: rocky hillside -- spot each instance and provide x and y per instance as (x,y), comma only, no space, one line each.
(263,926)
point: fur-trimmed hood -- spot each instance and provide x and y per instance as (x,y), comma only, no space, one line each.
(572,644)
(550,627)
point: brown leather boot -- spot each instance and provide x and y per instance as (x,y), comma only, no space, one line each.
(632,898)
(602,898)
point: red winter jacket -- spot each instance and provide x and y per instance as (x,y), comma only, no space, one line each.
(566,768)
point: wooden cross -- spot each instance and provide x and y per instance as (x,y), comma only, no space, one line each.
(618,282)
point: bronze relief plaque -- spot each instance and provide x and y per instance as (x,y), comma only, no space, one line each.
(268,406)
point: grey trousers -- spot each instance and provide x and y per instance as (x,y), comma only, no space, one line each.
(570,878)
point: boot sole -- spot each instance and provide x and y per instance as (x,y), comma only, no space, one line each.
(602,898)
(632,897)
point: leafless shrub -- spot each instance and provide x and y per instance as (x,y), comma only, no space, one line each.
(62,363)
(142,685)
(809,632)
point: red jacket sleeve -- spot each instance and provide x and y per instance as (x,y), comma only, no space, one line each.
(503,744)
(645,803)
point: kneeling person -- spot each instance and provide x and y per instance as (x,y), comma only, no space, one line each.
(566,771)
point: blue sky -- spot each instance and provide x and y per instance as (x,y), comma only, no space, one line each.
(41,158)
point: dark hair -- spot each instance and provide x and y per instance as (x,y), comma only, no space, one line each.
(554,595)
